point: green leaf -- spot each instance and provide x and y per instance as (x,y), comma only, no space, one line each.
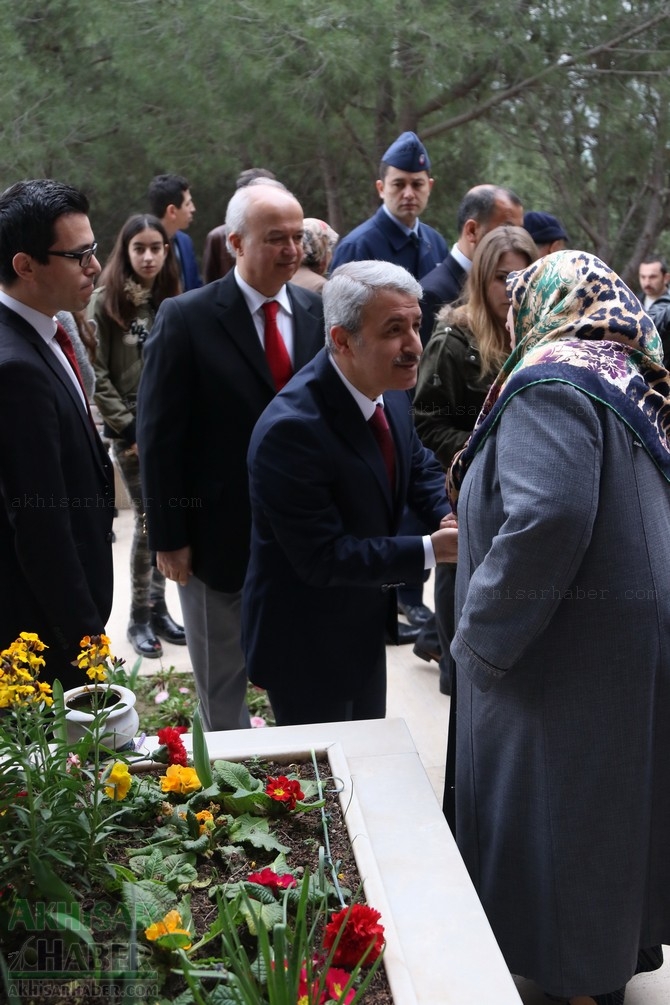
(147,901)
(48,883)
(256,831)
(237,776)
(258,915)
(201,760)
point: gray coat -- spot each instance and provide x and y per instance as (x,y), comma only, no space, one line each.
(563,669)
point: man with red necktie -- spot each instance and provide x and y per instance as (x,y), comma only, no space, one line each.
(56,480)
(333,461)
(214,359)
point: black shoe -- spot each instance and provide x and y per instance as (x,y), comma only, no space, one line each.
(407,634)
(162,624)
(416,614)
(427,654)
(143,641)
(445,682)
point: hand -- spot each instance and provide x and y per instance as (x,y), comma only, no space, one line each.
(450,520)
(445,544)
(175,565)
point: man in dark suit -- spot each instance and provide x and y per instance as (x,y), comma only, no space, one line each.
(56,480)
(212,363)
(395,233)
(327,493)
(483,208)
(171,201)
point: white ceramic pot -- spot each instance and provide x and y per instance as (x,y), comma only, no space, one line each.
(115,727)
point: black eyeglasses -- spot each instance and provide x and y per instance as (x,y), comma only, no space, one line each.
(83,257)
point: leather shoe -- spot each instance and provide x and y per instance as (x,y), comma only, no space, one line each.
(143,641)
(165,626)
(427,654)
(416,614)
(407,634)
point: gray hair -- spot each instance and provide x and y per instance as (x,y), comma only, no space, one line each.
(351,288)
(238,207)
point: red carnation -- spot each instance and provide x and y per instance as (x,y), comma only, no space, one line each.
(360,930)
(266,877)
(170,738)
(284,790)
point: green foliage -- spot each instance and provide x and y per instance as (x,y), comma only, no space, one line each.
(563,101)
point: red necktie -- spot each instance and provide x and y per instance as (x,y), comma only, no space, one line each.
(276,352)
(384,437)
(65,343)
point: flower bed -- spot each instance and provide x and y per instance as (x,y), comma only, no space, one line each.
(204,883)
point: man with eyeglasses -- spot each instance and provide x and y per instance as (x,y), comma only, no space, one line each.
(56,480)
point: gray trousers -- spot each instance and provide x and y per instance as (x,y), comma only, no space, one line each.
(212,626)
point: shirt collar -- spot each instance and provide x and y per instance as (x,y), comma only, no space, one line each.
(42,323)
(365,404)
(465,263)
(255,300)
(405,229)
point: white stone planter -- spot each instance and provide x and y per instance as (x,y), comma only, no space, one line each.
(440,949)
(116,727)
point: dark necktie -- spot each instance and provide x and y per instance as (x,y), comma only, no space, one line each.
(384,437)
(276,352)
(65,343)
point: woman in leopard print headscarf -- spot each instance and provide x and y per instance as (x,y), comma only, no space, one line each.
(562,753)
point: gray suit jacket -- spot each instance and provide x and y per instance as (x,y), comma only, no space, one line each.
(563,672)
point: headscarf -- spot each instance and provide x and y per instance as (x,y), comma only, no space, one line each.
(318,241)
(576,322)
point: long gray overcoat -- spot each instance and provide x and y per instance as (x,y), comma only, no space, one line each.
(563,697)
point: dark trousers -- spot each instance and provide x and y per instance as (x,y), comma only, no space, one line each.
(294,706)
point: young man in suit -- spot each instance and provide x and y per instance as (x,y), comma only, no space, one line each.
(214,360)
(327,493)
(171,201)
(56,480)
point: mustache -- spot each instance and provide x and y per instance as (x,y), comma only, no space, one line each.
(408,357)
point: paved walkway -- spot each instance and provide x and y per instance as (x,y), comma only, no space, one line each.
(413,695)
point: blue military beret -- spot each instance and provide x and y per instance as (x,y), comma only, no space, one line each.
(407,153)
(544,228)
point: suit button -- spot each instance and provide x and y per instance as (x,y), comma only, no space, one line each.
(109,537)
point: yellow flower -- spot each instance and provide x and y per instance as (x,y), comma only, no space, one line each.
(171,924)
(206,820)
(93,656)
(19,669)
(118,781)
(98,674)
(180,780)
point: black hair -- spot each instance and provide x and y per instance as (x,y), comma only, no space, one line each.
(28,212)
(166,190)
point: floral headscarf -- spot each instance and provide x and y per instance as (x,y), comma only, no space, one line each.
(576,321)
(318,241)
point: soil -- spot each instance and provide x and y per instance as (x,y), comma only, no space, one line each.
(302,833)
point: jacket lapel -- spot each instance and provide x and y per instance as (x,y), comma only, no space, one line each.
(21,327)
(347,419)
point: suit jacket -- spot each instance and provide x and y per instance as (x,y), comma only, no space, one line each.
(56,504)
(188,265)
(325,554)
(204,384)
(441,286)
(381,239)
